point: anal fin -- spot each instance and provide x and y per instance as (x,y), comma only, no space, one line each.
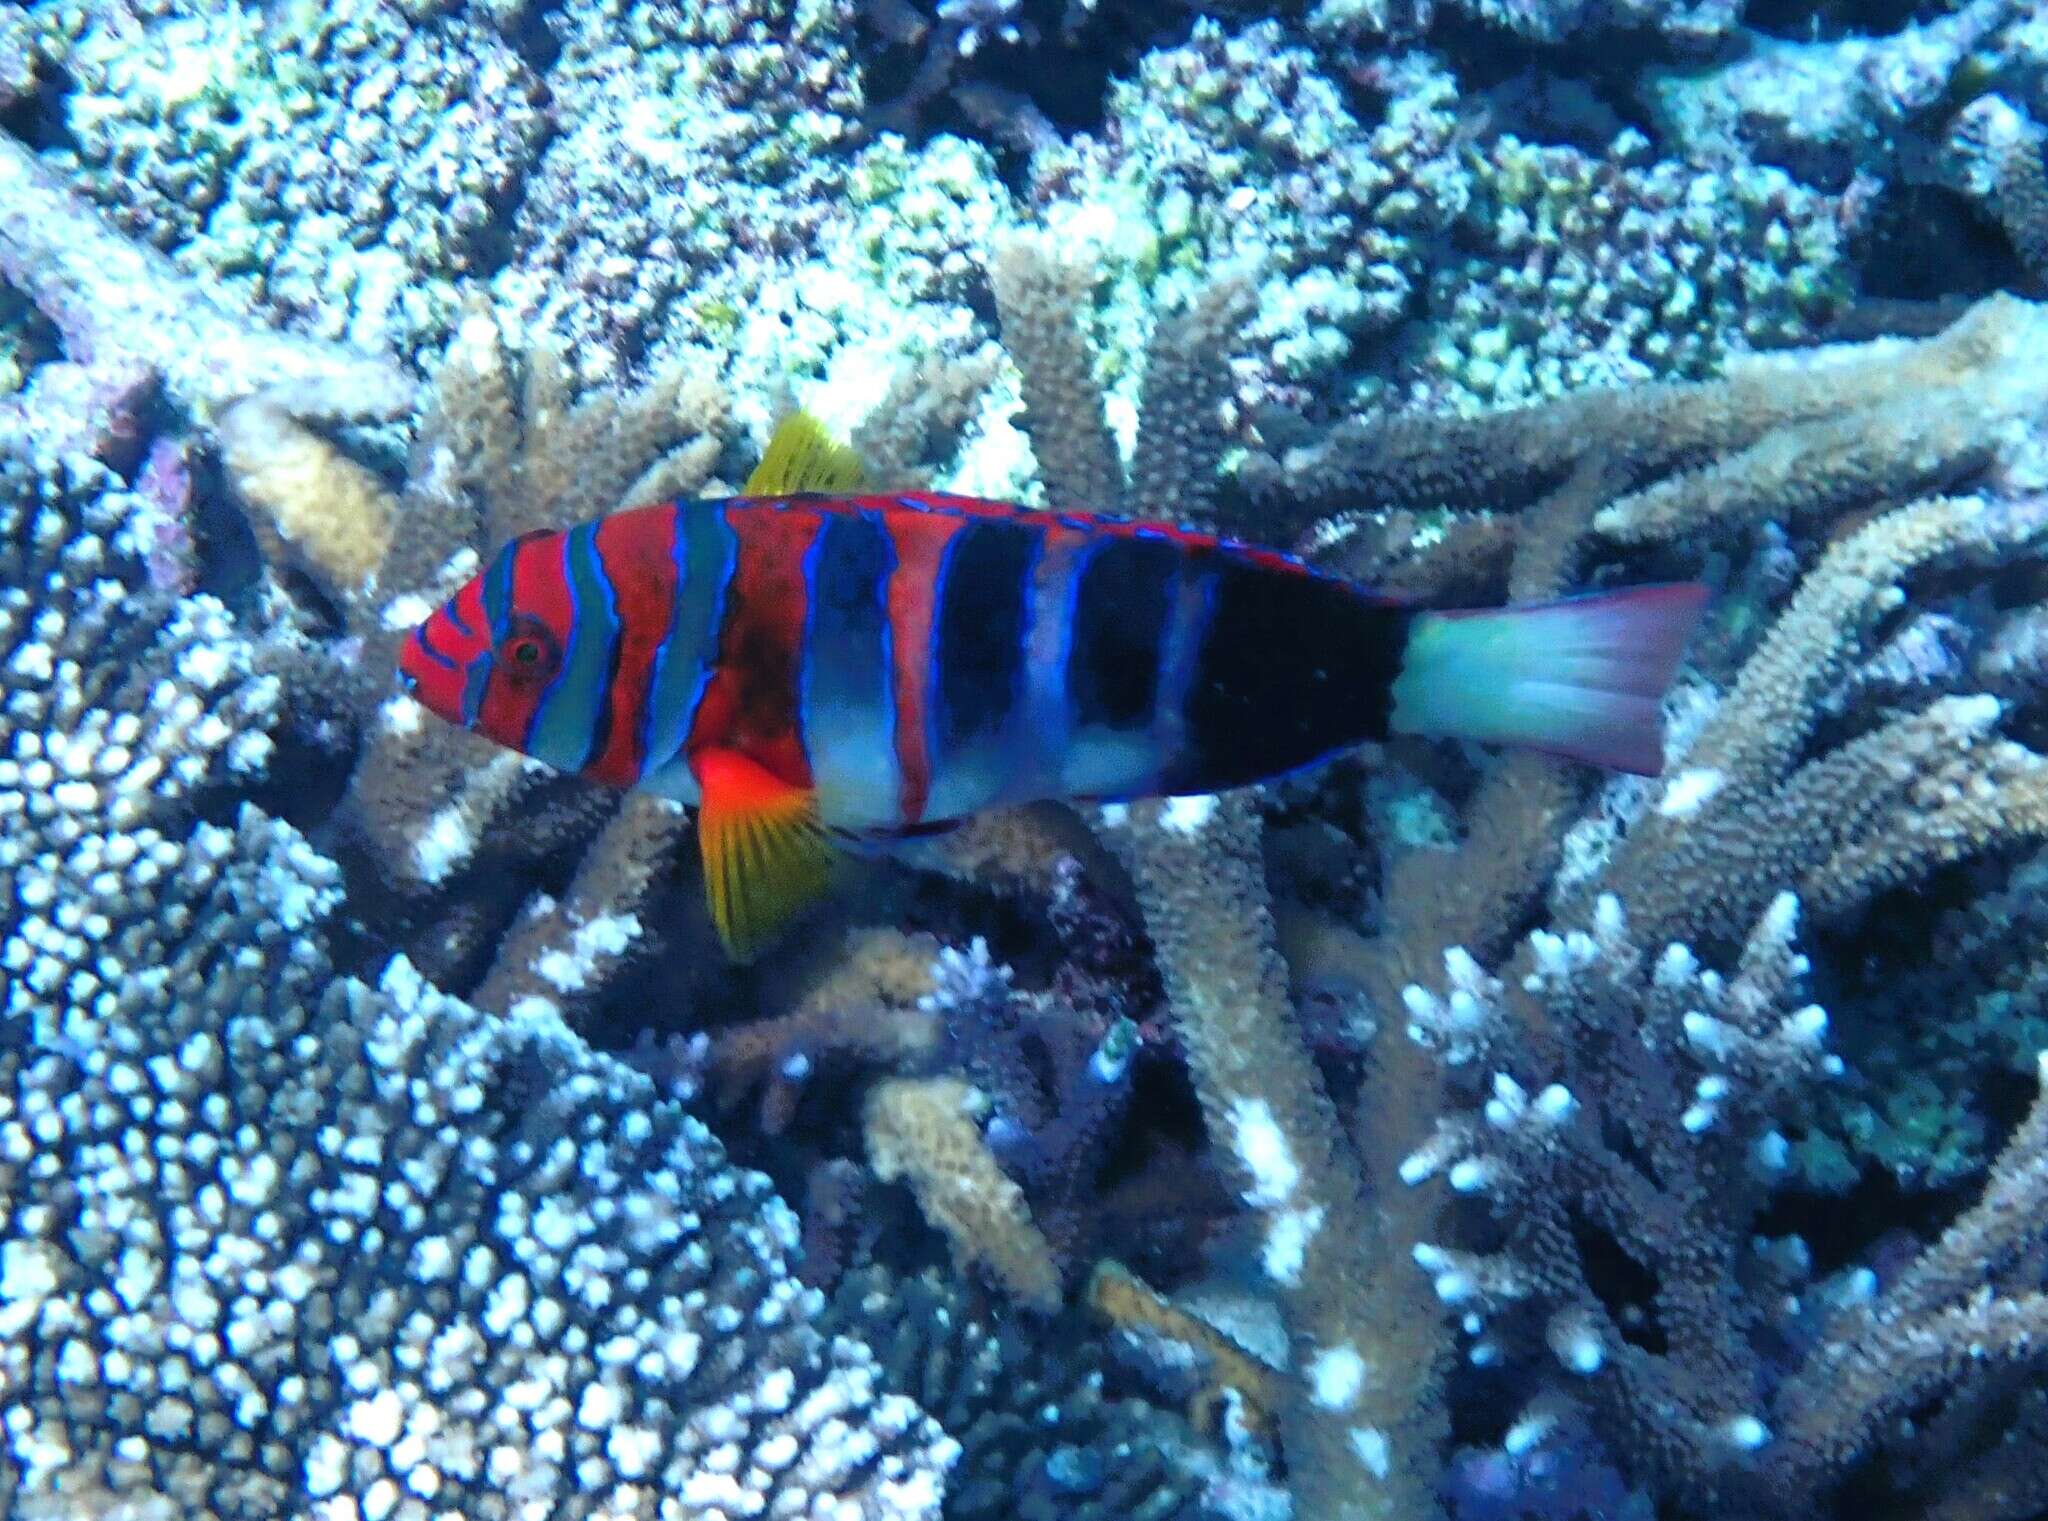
(765,854)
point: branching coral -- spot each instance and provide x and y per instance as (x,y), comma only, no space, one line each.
(1785,419)
(1362,1440)
(1750,811)
(1970,1308)
(1610,1099)
(995,1104)
(925,1130)
(1632,1099)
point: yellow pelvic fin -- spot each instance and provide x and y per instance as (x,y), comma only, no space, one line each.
(765,854)
(803,456)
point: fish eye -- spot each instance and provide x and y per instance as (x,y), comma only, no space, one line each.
(529,650)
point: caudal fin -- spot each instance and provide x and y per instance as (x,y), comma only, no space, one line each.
(1584,677)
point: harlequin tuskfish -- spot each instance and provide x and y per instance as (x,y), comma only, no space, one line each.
(807,660)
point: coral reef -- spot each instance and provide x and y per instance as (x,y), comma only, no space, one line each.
(346,165)
(1665,269)
(1749,808)
(1470,1125)
(407,1256)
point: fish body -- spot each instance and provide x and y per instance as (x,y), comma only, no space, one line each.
(911,659)
(803,664)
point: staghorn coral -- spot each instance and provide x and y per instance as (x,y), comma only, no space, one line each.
(1362,1440)
(1967,1309)
(1360,1433)
(1772,405)
(1627,1097)
(1606,1098)
(1866,816)
(1748,811)
(1658,1130)
(924,1130)
(998,1103)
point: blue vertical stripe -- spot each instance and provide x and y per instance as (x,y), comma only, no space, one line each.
(497,592)
(568,723)
(1045,719)
(847,703)
(1193,607)
(706,553)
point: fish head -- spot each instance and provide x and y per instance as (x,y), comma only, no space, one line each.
(487,657)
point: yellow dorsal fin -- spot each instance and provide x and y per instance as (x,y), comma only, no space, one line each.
(765,854)
(803,456)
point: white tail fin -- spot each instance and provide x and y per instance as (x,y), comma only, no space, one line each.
(1583,678)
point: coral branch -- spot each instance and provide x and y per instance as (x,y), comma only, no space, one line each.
(1364,1444)
(923,1130)
(113,299)
(1040,294)
(1975,1301)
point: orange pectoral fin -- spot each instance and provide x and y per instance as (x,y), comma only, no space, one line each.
(765,854)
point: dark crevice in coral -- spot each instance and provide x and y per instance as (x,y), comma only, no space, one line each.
(230,565)
(1837,1228)
(1924,243)
(531,34)
(1550,108)
(1824,20)
(39,117)
(493,247)
(919,82)
(302,785)
(1622,1284)
(1558,92)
